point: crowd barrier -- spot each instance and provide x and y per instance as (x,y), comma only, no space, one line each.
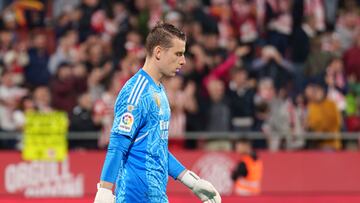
(285,173)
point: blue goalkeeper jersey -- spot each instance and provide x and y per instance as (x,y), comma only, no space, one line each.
(142,115)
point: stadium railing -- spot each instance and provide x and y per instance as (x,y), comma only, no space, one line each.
(207,135)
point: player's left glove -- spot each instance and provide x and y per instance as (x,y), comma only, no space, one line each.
(201,188)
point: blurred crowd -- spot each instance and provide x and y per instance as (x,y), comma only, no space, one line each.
(281,67)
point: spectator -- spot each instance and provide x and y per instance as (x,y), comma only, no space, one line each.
(277,126)
(10,96)
(247,174)
(87,9)
(81,115)
(279,24)
(316,62)
(241,97)
(300,48)
(95,82)
(26,105)
(194,8)
(331,43)
(297,111)
(316,8)
(64,88)
(301,39)
(347,27)
(81,120)
(65,52)
(336,82)
(61,6)
(244,21)
(15,60)
(7,39)
(264,94)
(217,108)
(42,99)
(323,116)
(272,64)
(352,60)
(36,72)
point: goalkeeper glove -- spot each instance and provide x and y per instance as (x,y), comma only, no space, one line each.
(104,195)
(203,189)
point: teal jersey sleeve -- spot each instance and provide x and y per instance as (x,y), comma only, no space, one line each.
(130,109)
(175,167)
(116,152)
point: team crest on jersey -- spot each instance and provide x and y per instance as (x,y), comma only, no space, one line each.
(126,122)
(130,108)
(157,100)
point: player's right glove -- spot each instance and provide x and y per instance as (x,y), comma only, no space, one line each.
(104,195)
(201,188)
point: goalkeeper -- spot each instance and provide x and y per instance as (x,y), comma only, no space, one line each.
(138,161)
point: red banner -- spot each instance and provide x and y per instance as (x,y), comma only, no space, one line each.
(284,173)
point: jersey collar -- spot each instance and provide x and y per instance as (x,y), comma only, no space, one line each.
(149,78)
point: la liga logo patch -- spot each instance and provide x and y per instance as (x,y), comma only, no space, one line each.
(126,122)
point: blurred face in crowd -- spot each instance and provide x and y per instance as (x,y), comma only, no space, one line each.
(85,101)
(42,97)
(174,18)
(239,77)
(6,80)
(91,3)
(95,53)
(72,38)
(336,65)
(154,4)
(284,5)
(282,93)
(335,42)
(28,104)
(40,41)
(243,147)
(350,20)
(79,70)
(216,90)
(5,38)
(266,89)
(211,41)
(315,93)
(140,4)
(134,38)
(172,59)
(241,7)
(319,93)
(310,93)
(64,72)
(300,100)
(232,44)
(119,9)
(133,44)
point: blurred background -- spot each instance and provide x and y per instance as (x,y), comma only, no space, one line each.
(267,106)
